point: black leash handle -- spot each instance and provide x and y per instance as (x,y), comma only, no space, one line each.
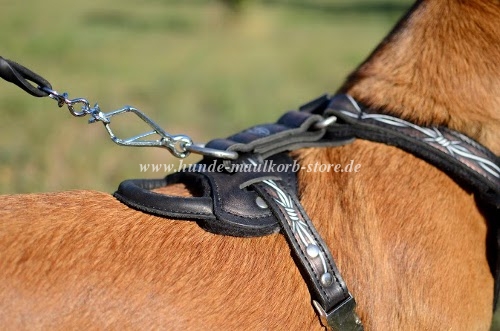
(21,76)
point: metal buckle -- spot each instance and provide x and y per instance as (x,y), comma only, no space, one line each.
(342,317)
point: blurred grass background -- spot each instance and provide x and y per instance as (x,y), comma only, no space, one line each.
(196,67)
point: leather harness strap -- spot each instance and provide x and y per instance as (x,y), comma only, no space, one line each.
(468,162)
(294,130)
(256,201)
(244,196)
(256,195)
(331,298)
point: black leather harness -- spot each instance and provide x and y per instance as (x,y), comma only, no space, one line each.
(256,194)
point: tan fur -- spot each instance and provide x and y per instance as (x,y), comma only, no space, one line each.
(409,241)
(440,66)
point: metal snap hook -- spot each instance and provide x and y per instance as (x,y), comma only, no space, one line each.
(178,145)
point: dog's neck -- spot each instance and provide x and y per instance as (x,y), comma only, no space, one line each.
(439,66)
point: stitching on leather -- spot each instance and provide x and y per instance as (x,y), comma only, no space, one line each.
(307,260)
(319,242)
(302,255)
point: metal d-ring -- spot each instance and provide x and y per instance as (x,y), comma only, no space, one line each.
(324,123)
(212,152)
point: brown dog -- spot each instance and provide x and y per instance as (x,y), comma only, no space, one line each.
(410,243)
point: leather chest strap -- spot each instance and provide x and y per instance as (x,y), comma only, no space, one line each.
(256,202)
(331,298)
(463,159)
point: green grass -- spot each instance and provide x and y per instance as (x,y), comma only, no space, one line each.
(193,66)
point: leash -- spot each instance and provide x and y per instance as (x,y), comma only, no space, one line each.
(241,195)
(178,145)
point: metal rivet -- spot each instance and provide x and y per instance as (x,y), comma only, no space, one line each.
(261,203)
(326,279)
(312,250)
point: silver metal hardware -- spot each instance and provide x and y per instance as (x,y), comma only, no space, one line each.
(178,145)
(312,250)
(216,153)
(341,318)
(326,279)
(324,123)
(261,203)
